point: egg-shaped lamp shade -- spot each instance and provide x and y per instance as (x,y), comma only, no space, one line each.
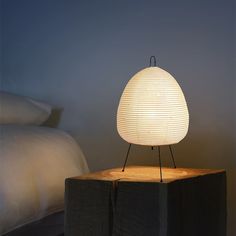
(152,109)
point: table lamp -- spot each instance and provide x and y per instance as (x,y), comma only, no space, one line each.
(152,111)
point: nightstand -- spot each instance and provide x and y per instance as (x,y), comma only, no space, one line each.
(190,202)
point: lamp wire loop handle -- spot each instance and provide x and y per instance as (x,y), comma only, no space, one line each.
(154,61)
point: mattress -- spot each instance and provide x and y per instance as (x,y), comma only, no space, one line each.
(52,225)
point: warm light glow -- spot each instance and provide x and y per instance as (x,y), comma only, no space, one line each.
(152,109)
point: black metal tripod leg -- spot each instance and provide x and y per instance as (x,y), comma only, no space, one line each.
(172,156)
(159,154)
(126,158)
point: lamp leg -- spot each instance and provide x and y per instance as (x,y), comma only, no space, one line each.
(159,155)
(172,156)
(126,158)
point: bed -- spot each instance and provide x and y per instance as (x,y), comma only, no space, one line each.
(34,162)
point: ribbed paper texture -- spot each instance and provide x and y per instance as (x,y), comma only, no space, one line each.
(152,109)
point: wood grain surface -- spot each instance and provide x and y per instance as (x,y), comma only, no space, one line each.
(148,174)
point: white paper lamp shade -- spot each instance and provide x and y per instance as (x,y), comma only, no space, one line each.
(152,109)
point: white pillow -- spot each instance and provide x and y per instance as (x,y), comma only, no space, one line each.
(16,109)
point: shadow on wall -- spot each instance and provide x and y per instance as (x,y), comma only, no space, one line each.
(54,119)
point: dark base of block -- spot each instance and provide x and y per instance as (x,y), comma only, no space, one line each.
(188,207)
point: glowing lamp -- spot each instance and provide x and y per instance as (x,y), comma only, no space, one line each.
(152,109)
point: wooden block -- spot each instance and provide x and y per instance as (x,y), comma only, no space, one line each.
(190,202)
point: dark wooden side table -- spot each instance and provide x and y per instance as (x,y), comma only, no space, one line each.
(190,202)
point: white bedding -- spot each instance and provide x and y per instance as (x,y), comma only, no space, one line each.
(34,162)
(15,109)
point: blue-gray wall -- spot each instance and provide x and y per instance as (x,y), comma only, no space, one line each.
(1,45)
(79,55)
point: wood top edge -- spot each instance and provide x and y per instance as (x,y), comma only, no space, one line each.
(147,174)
